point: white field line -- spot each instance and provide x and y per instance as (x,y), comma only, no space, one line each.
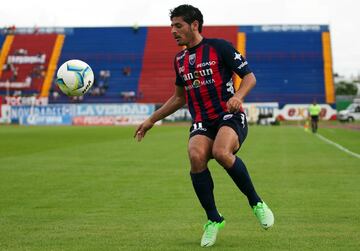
(338,146)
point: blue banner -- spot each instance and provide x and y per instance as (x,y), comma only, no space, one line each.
(45,120)
(50,110)
(114,109)
(63,114)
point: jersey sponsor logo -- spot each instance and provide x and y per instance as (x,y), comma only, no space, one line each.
(181,69)
(192,59)
(197,83)
(181,56)
(203,64)
(242,65)
(197,74)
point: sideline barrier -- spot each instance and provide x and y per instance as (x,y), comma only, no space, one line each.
(131,114)
(81,114)
(300,112)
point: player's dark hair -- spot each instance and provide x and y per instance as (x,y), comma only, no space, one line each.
(189,13)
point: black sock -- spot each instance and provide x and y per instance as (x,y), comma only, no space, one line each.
(204,187)
(241,177)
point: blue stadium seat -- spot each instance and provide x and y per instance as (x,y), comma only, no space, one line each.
(288,66)
(108,49)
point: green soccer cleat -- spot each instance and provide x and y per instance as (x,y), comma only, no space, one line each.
(211,230)
(264,214)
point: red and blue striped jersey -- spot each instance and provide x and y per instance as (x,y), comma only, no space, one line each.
(205,71)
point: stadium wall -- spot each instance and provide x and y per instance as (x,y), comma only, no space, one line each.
(292,63)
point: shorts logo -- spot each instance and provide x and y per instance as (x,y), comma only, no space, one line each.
(192,59)
(198,127)
(227,116)
(243,120)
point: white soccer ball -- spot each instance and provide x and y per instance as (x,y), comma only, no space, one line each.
(74,77)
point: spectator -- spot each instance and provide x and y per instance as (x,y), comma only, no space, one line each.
(127,71)
(136,28)
(8,67)
(10,30)
(14,74)
(77,99)
(21,52)
(104,81)
(55,95)
(36,29)
(38,71)
(95,90)
(128,96)
(17,93)
(28,81)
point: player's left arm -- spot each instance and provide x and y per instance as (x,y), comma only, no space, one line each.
(238,64)
(248,82)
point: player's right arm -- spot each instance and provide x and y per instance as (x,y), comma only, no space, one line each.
(174,103)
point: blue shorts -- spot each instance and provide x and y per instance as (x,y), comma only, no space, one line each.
(210,129)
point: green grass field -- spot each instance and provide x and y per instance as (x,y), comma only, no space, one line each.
(95,188)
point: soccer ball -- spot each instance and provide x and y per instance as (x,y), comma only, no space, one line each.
(74,77)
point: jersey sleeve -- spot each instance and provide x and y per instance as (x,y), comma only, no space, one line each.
(178,81)
(233,59)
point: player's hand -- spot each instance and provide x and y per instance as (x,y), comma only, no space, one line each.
(142,129)
(234,104)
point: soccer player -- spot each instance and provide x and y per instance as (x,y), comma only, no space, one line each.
(314,111)
(204,71)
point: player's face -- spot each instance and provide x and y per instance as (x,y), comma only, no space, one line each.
(182,31)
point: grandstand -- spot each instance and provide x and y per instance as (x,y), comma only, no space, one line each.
(292,63)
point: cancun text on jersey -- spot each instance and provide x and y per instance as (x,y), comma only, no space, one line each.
(205,72)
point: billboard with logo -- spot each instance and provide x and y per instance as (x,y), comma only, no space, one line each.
(300,112)
(81,114)
(112,114)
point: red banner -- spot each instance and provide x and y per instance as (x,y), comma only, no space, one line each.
(100,120)
(27,61)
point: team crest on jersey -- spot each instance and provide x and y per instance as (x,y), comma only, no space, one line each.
(192,59)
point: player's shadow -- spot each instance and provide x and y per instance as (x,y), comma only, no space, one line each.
(195,245)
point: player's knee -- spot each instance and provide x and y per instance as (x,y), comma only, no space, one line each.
(198,158)
(222,156)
